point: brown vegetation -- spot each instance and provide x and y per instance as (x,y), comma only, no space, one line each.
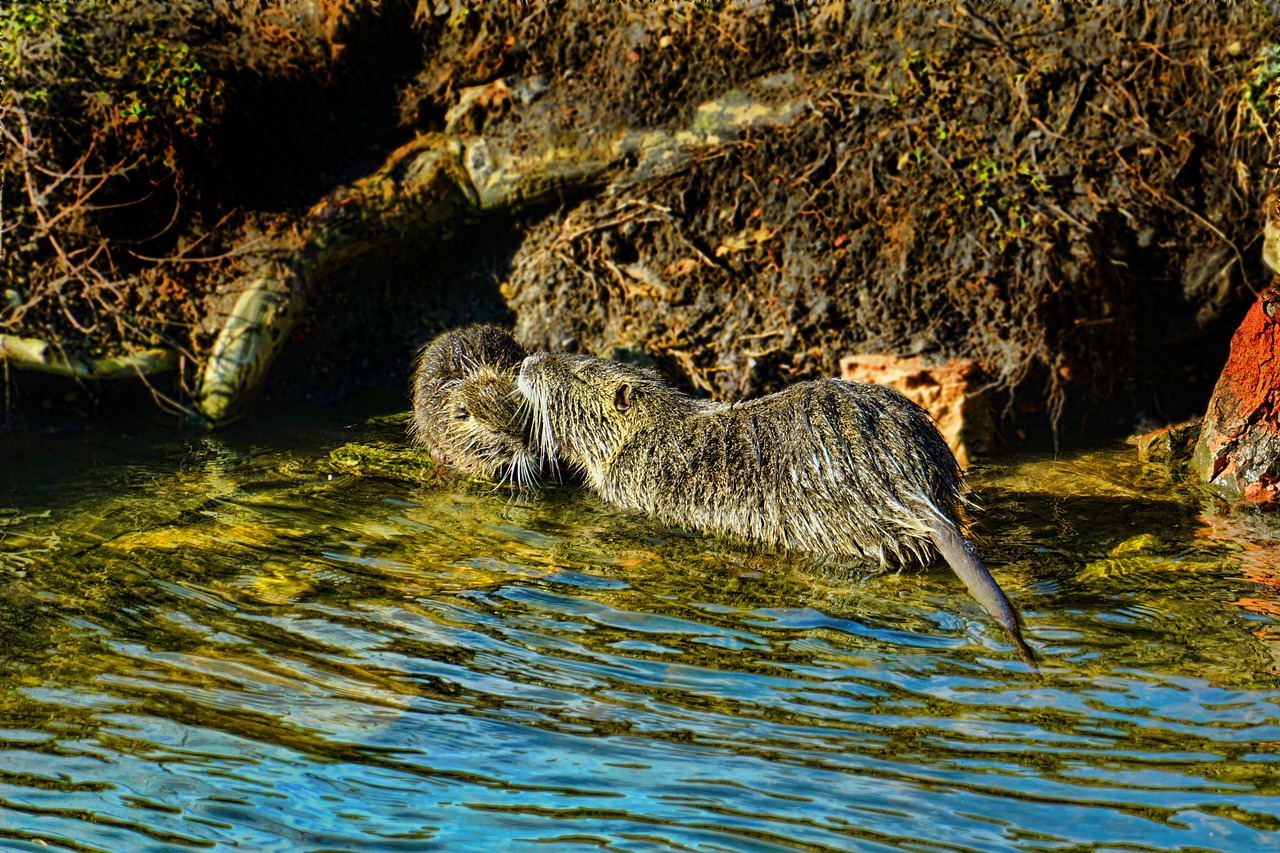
(136,138)
(1065,194)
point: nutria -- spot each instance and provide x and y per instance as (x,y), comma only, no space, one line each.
(465,405)
(828,467)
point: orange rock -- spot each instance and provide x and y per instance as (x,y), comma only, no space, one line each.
(1238,453)
(947,392)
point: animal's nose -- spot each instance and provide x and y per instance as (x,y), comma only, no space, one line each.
(531,361)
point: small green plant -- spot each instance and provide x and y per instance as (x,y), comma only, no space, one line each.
(986,173)
(1003,189)
(170,83)
(1037,181)
(916,65)
(1261,92)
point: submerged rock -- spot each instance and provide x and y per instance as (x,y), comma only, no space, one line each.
(1171,446)
(384,459)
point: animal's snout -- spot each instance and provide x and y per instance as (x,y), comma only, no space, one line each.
(528,368)
(532,361)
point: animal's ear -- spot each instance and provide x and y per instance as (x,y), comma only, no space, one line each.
(624,396)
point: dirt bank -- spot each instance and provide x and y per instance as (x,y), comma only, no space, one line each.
(1068,195)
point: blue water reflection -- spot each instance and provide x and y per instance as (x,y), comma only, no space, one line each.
(239,650)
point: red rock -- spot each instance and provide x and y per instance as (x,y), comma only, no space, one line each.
(1238,453)
(949,393)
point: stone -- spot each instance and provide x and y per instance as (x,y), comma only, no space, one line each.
(948,392)
(1238,453)
(1171,446)
(474,105)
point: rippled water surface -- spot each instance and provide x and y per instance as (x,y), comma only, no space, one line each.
(226,642)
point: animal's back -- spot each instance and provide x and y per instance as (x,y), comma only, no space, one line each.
(826,467)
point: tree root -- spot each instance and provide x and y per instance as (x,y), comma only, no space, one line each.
(45,357)
(422,191)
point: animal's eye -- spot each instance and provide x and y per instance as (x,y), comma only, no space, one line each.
(624,397)
(461,413)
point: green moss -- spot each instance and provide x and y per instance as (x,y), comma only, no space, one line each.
(1260,93)
(384,459)
(91,55)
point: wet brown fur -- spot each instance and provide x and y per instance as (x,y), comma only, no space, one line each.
(827,467)
(465,406)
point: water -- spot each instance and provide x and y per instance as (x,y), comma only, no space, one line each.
(218,642)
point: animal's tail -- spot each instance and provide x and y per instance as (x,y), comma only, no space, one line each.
(965,563)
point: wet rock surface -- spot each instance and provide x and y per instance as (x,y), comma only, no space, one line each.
(1170,447)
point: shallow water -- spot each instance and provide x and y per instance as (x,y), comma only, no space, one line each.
(217,642)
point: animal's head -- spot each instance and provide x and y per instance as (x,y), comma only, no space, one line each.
(455,354)
(479,428)
(466,408)
(584,409)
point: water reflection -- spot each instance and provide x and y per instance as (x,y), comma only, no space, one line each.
(227,641)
